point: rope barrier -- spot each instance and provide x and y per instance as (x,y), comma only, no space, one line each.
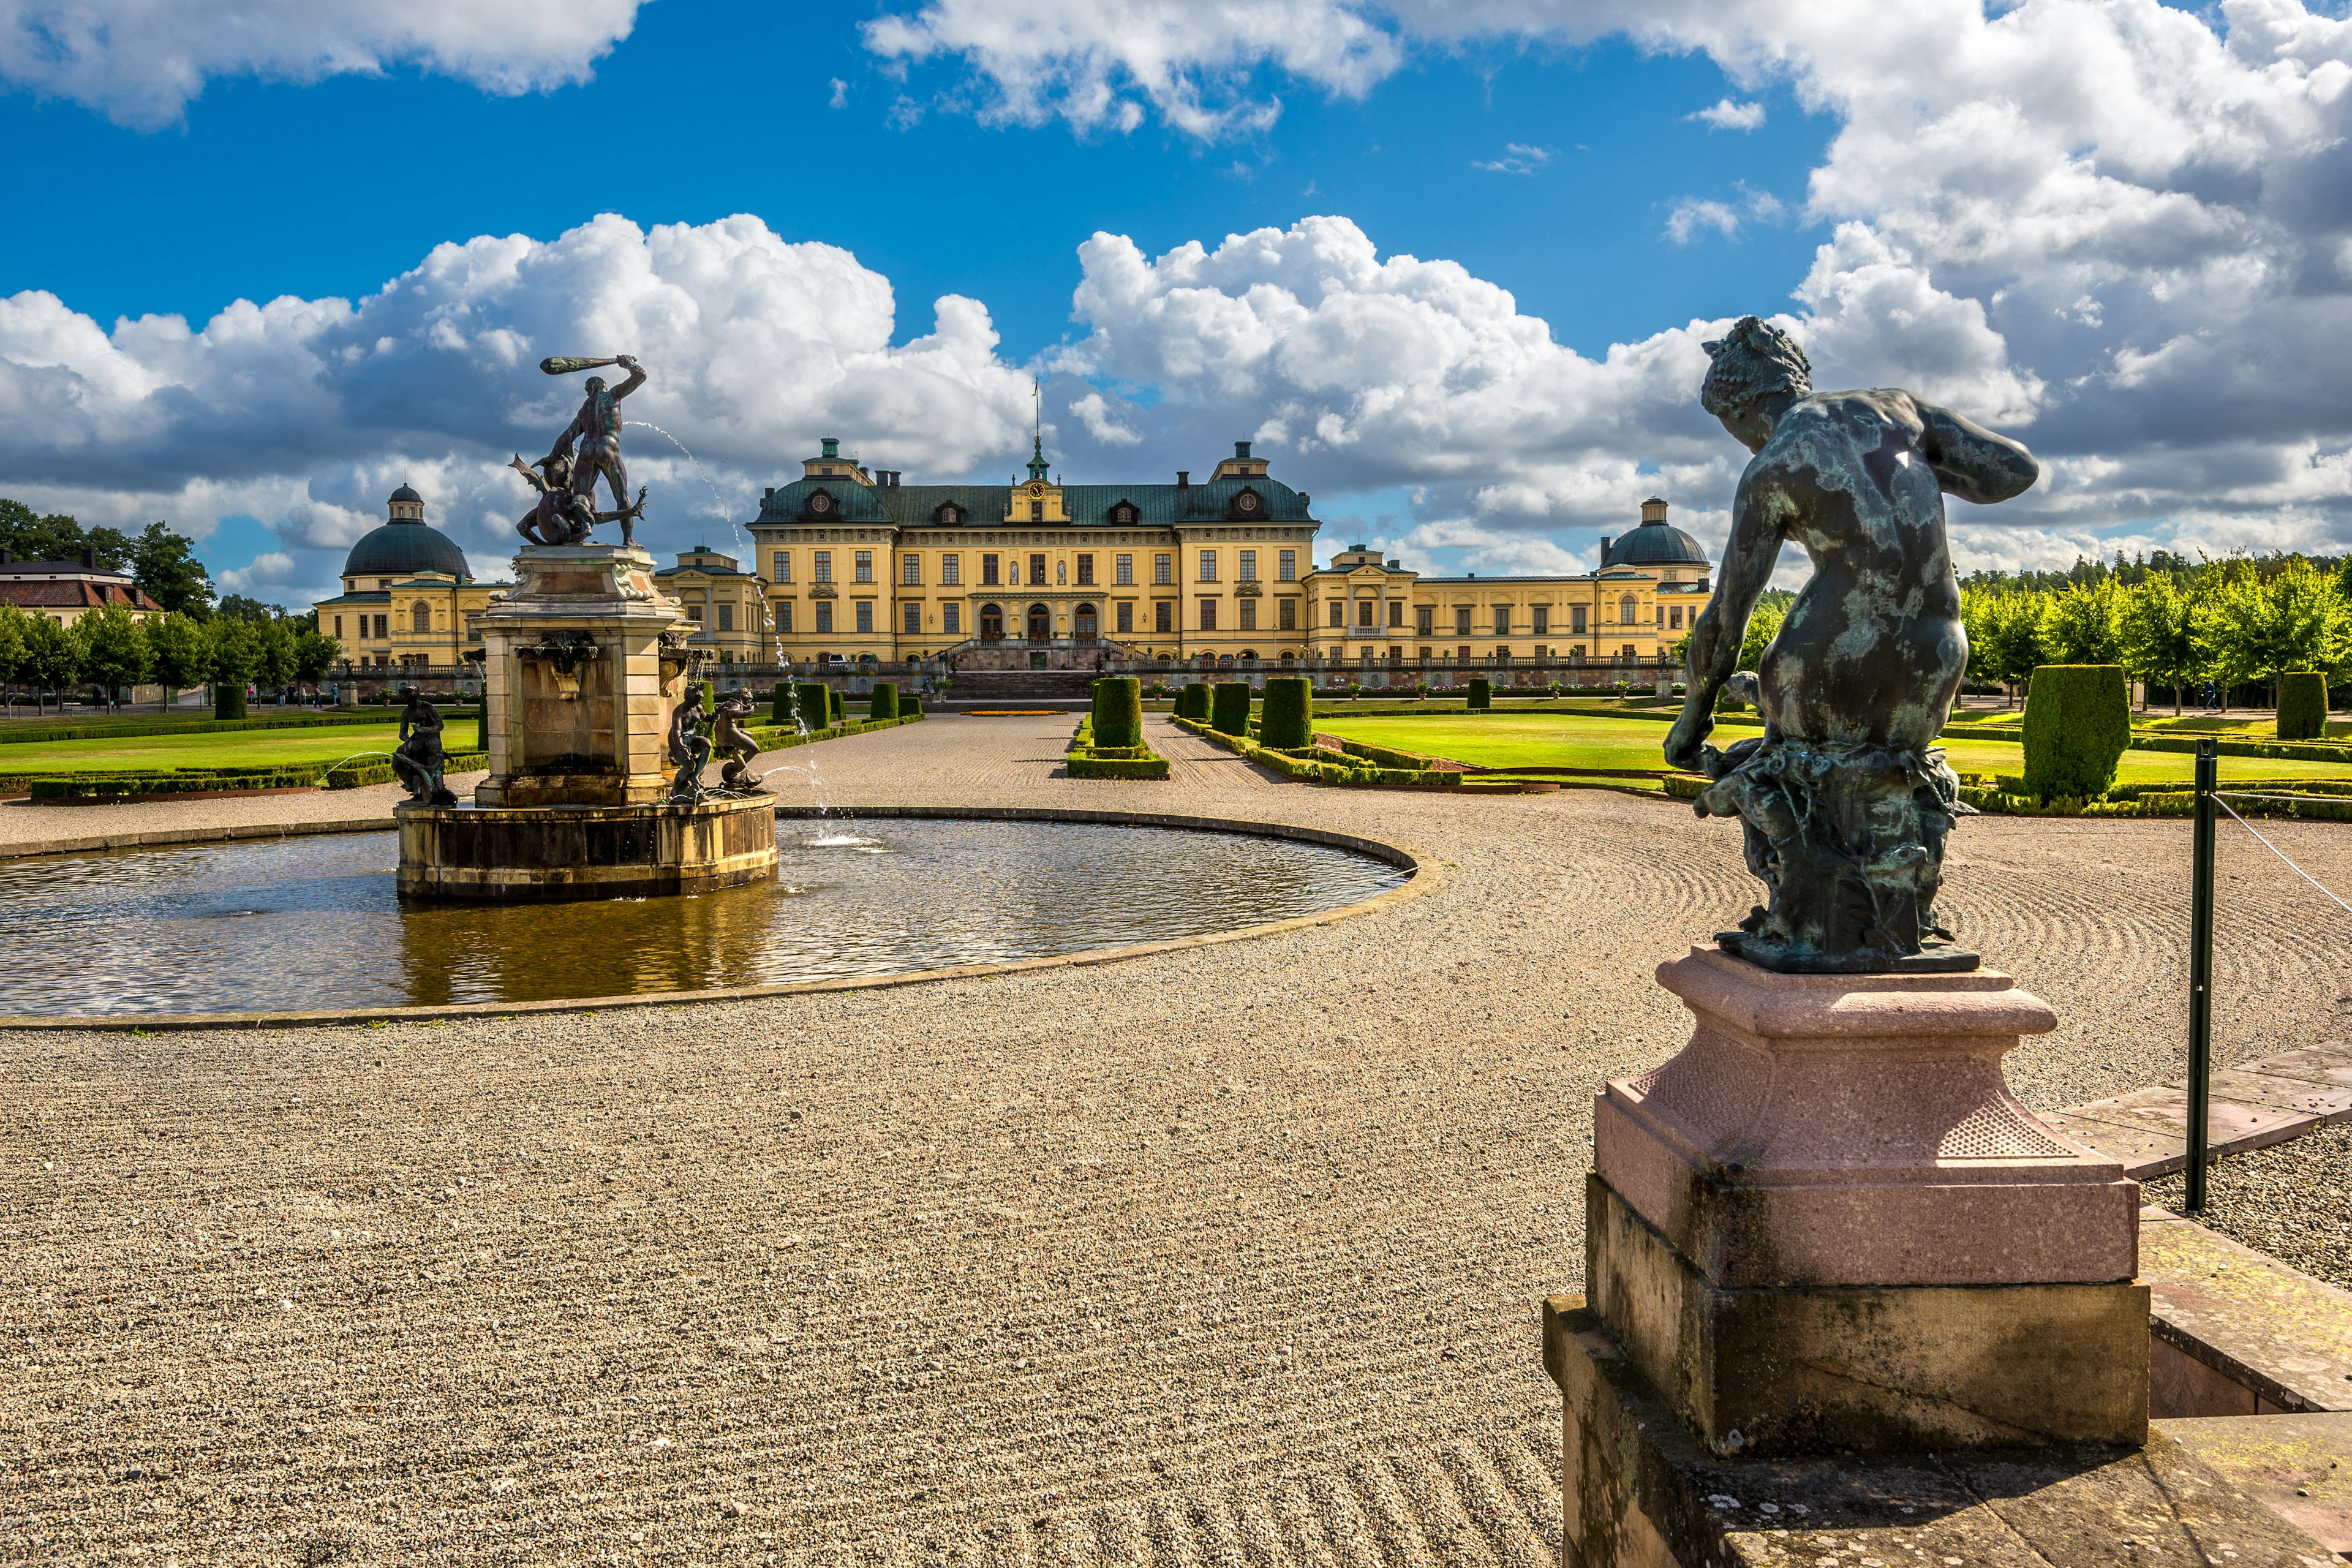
(2277,851)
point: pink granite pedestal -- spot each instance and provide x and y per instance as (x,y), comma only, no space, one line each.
(1826,1228)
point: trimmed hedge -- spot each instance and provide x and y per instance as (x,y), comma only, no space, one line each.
(1117,719)
(228,700)
(811,708)
(1229,707)
(2302,705)
(836,708)
(882,702)
(1088,760)
(1287,718)
(1314,765)
(1192,700)
(2077,725)
(1482,692)
(34,732)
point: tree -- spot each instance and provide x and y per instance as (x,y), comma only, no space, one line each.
(13,627)
(1763,625)
(232,653)
(2079,626)
(2012,648)
(51,661)
(274,642)
(245,609)
(28,536)
(181,656)
(314,654)
(2165,636)
(2261,629)
(166,571)
(111,648)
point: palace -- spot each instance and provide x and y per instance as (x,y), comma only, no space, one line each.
(66,590)
(859,567)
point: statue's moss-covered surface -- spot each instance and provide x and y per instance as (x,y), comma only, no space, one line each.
(2077,725)
(1846,801)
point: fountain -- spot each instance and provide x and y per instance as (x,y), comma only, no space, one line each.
(585,671)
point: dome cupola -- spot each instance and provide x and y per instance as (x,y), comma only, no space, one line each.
(405,546)
(1657,542)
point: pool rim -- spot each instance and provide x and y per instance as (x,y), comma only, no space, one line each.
(1421,876)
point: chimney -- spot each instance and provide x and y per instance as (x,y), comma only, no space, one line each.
(1183,477)
(1654,511)
(5,558)
(89,560)
(1604,550)
(768,494)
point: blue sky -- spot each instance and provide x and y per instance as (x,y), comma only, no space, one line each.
(1567,166)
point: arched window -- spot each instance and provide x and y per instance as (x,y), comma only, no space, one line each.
(420,616)
(1629,610)
(992,623)
(1041,624)
(1082,620)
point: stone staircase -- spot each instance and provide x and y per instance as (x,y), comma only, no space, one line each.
(1019,685)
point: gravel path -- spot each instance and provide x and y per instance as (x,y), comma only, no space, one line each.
(1209,1257)
(2292,1200)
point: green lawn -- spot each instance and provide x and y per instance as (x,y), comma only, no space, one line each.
(1568,740)
(241,748)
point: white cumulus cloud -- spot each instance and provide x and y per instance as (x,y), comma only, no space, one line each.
(141,62)
(1729,114)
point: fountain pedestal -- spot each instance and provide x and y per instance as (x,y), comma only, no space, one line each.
(582,669)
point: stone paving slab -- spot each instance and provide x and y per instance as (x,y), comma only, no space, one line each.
(2264,1326)
(2257,1103)
(2300,1467)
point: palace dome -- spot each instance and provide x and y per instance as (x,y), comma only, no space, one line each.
(1657,542)
(407,545)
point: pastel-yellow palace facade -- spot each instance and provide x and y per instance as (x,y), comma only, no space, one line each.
(859,567)
(853,567)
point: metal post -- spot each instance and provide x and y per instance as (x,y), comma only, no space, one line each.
(2200,973)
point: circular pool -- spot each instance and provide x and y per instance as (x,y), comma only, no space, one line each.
(296,924)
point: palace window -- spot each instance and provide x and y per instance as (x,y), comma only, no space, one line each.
(1286,569)
(1502,620)
(339,625)
(988,571)
(1396,614)
(1678,614)
(1164,615)
(784,617)
(1249,566)
(823,570)
(783,565)
(951,619)
(1037,512)
(824,617)
(1249,615)
(1462,624)
(1086,571)
(1363,612)
(1208,614)
(1542,614)
(1125,617)
(1576,619)
(914,618)
(1207,566)
(1123,568)
(1424,619)
(726,618)
(910,570)
(1338,613)
(950,569)
(865,565)
(1629,610)
(694,612)
(420,616)
(865,617)
(1287,615)
(383,627)
(1037,571)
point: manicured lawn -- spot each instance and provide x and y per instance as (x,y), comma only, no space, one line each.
(241,748)
(1568,740)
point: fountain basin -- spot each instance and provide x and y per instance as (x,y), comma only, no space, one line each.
(546,853)
(278,932)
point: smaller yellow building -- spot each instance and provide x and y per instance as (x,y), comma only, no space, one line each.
(725,603)
(407,597)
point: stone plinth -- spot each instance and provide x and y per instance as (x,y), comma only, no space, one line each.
(545,853)
(577,680)
(1827,1228)
(1856,1130)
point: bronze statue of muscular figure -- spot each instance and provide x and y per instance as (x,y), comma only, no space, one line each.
(1844,802)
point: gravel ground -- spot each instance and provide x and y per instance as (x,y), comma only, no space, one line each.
(1223,1255)
(2292,1200)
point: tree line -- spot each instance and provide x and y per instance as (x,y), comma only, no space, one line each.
(202,639)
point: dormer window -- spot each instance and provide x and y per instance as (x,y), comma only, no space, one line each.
(1249,504)
(819,503)
(949,515)
(1123,515)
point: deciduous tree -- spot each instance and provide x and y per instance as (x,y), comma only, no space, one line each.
(111,648)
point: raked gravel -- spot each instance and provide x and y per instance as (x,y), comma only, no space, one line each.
(1224,1255)
(2292,1200)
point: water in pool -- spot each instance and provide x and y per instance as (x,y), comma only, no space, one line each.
(315,922)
